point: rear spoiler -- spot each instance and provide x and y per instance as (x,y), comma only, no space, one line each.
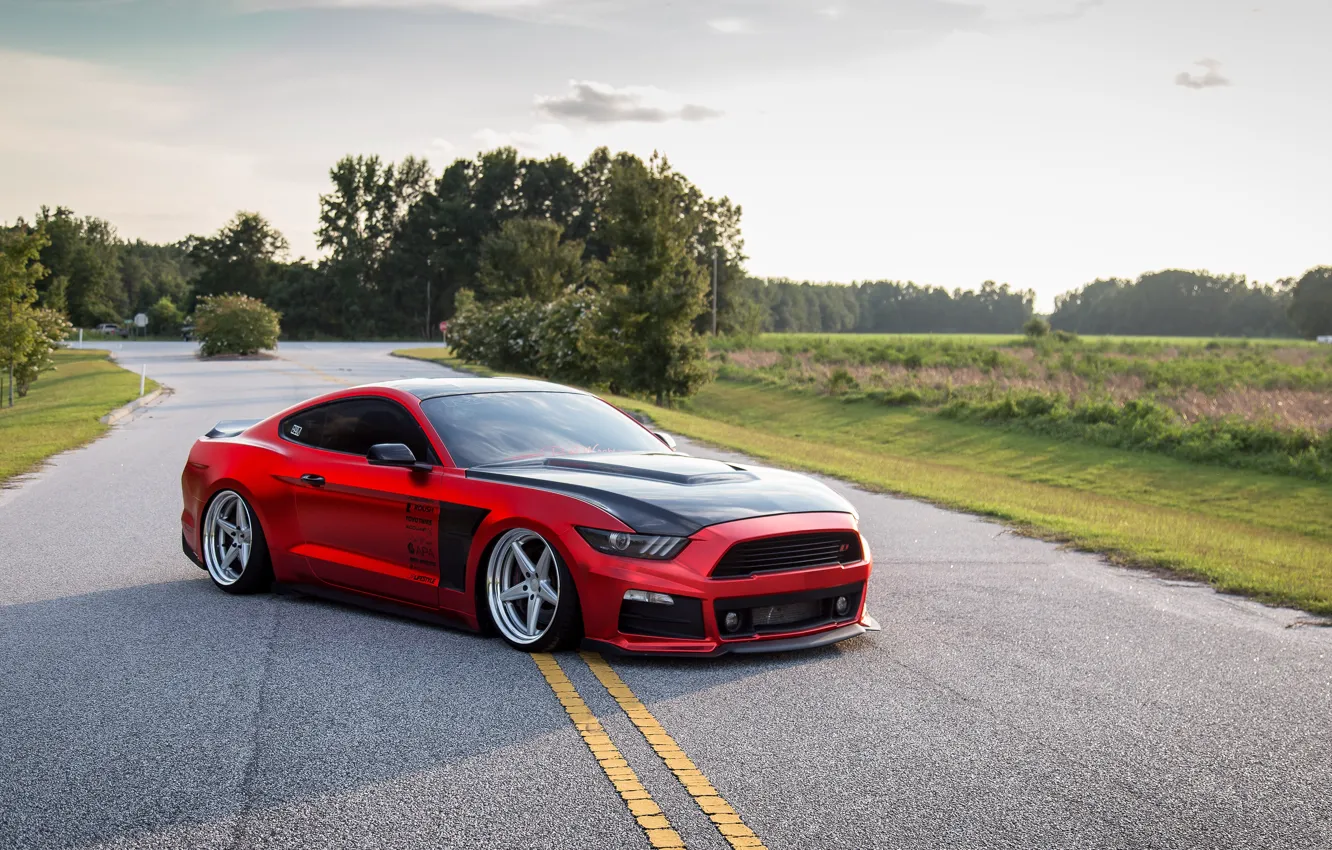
(230,428)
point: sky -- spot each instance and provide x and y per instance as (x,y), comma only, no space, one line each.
(1040,143)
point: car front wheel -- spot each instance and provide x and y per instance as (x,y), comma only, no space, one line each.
(530,594)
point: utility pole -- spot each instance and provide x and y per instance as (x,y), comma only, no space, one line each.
(10,291)
(714,291)
(11,343)
(429,335)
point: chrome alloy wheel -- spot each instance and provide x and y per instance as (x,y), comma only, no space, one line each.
(523,585)
(228,535)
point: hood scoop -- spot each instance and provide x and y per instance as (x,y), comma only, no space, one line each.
(669,468)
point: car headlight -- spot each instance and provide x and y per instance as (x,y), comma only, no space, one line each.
(655,547)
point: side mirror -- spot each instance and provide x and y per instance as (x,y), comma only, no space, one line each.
(394,454)
(665,438)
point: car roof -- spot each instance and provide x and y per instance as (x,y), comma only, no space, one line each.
(424,388)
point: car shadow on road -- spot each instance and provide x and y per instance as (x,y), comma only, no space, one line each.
(173,705)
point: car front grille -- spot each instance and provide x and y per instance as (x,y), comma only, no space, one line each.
(786,612)
(789,552)
(766,616)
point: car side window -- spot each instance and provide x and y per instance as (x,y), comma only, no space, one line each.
(306,428)
(356,424)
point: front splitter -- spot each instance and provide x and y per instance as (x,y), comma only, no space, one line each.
(749,647)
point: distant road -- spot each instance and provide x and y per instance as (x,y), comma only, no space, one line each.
(1018,696)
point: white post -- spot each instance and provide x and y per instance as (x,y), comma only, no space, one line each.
(143,376)
(80,338)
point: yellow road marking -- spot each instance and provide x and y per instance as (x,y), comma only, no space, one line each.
(639,802)
(728,823)
(316,370)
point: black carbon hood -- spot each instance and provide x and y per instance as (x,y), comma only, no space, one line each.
(669,493)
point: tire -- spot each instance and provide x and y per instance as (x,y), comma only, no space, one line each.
(518,575)
(235,551)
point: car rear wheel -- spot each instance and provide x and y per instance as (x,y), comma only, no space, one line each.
(530,593)
(234,549)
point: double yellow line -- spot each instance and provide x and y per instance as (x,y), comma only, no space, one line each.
(645,810)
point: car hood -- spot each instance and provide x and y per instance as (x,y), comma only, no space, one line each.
(669,492)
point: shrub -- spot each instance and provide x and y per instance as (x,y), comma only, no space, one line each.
(1036,327)
(840,381)
(1148,425)
(234,324)
(1065,337)
(42,331)
(504,335)
(164,317)
(563,350)
(897,396)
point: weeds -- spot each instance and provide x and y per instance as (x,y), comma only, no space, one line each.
(1264,405)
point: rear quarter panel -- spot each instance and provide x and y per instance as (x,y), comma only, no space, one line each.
(254,465)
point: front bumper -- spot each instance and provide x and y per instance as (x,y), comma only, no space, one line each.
(776,611)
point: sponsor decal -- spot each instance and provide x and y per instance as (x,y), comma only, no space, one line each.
(422,546)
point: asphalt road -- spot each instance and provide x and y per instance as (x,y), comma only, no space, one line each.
(1018,696)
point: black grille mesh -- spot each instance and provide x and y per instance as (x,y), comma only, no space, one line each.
(789,552)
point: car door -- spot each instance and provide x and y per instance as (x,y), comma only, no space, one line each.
(371,529)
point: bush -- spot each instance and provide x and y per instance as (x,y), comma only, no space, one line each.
(1035,327)
(164,317)
(1147,425)
(39,332)
(841,381)
(504,335)
(896,397)
(564,351)
(235,324)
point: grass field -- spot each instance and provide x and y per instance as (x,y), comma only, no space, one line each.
(1259,405)
(801,339)
(62,409)
(1267,536)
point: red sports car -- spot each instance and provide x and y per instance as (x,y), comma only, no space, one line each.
(531,508)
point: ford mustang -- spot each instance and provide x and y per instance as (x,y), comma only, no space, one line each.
(526,508)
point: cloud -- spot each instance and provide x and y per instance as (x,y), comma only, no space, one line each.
(599,103)
(730,26)
(498,8)
(1038,11)
(541,139)
(1210,78)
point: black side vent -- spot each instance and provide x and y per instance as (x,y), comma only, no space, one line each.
(789,552)
(684,619)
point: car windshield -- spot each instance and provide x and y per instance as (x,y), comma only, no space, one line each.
(486,428)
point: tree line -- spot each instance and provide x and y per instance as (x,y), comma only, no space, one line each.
(398,242)
(1181,303)
(778,304)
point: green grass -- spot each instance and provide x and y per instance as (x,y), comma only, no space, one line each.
(1265,407)
(62,409)
(1266,536)
(767,340)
